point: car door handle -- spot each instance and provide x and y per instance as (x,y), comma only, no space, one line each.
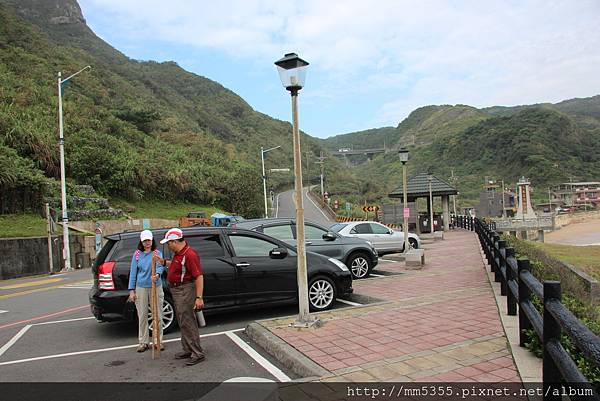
(308,242)
(242,264)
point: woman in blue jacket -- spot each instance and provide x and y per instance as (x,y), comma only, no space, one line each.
(140,286)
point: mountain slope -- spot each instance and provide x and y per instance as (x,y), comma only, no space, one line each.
(133,129)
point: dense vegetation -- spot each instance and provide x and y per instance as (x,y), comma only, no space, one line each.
(546,143)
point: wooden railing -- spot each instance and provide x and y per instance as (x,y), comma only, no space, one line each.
(518,284)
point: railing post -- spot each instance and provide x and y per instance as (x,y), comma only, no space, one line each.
(511,300)
(550,375)
(495,265)
(524,297)
(472,223)
(502,264)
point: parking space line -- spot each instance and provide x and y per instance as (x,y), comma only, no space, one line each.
(268,366)
(27,292)
(13,340)
(349,302)
(92,351)
(377,275)
(3,311)
(45,316)
(389,261)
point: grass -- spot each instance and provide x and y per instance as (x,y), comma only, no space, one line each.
(161,209)
(22,225)
(585,258)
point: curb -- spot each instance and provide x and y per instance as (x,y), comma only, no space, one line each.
(289,356)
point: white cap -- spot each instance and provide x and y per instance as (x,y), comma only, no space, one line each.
(146,234)
(172,234)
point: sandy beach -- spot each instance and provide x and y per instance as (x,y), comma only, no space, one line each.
(576,233)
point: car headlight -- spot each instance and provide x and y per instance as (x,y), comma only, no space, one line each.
(339,264)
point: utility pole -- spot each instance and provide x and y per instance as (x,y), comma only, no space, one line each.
(503,206)
(453,178)
(322,163)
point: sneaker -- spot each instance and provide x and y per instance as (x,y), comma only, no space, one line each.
(142,347)
(195,359)
(183,355)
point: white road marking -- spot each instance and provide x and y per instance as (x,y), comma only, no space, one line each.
(318,208)
(63,321)
(349,302)
(268,366)
(92,351)
(13,340)
(377,275)
(389,261)
(3,311)
(277,208)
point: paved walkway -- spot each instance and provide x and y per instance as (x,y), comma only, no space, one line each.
(440,323)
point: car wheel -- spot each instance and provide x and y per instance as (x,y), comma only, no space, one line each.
(359,265)
(169,320)
(321,293)
(413,243)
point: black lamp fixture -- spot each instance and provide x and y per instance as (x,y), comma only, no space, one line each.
(292,71)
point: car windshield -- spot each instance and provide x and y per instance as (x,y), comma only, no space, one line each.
(338,227)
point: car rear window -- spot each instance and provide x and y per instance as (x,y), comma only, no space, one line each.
(123,251)
(338,227)
(282,232)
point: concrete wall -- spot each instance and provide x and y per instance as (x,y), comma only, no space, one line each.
(29,256)
(116,226)
(562,220)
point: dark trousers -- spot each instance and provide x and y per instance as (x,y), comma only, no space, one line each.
(184,297)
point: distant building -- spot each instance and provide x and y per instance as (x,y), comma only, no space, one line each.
(492,203)
(577,194)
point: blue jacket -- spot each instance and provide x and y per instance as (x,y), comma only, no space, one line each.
(141,270)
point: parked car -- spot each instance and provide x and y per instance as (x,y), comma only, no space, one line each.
(242,269)
(359,255)
(384,239)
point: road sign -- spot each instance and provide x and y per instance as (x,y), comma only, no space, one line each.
(406,212)
(348,206)
(367,209)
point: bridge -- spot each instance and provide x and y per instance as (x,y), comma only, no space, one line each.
(345,152)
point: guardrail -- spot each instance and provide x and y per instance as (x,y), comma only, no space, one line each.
(518,284)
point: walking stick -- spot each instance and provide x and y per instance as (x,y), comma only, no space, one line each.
(155,317)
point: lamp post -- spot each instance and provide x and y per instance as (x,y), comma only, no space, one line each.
(403,153)
(63,185)
(292,72)
(430,179)
(264,177)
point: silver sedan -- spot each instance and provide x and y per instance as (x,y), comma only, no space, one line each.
(384,239)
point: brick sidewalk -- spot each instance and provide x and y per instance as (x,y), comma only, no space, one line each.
(440,323)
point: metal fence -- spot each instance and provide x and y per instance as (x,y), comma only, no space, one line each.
(518,284)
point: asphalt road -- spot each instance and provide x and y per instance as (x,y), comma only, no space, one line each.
(286,207)
(48,334)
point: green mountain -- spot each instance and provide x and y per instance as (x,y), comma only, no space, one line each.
(548,143)
(138,130)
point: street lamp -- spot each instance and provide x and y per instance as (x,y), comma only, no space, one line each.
(430,179)
(292,72)
(63,185)
(403,153)
(264,177)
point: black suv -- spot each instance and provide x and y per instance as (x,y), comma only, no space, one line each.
(242,269)
(359,255)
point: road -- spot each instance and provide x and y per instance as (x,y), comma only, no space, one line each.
(285,207)
(47,334)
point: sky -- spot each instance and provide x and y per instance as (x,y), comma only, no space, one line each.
(371,62)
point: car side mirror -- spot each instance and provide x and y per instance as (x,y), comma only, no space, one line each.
(391,232)
(329,236)
(278,253)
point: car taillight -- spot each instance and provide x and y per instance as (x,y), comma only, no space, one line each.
(105,278)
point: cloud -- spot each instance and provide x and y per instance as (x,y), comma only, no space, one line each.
(409,53)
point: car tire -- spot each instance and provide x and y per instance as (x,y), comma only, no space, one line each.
(321,294)
(360,265)
(169,317)
(413,243)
